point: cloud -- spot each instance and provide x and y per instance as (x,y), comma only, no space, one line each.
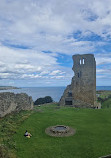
(31,76)
(103,59)
(55,72)
(33,34)
(28,64)
(19,61)
(45,25)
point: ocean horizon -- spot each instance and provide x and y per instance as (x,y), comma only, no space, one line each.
(54,92)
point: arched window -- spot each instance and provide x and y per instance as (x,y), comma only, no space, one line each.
(83,61)
(80,62)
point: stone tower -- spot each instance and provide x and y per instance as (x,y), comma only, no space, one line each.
(82,91)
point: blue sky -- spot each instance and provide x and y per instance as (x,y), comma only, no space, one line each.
(39,37)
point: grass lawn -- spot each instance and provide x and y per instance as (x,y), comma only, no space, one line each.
(92,138)
(106,104)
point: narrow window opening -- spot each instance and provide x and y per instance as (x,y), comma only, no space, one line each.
(69,94)
(80,61)
(78,75)
(83,61)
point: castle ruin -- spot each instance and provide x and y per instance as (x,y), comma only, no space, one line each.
(82,91)
(10,102)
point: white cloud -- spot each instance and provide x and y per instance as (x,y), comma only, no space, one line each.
(28,64)
(19,61)
(55,72)
(100,76)
(43,26)
(30,76)
(103,59)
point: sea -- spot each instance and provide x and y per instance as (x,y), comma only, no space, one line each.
(54,92)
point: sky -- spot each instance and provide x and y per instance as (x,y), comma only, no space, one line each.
(39,37)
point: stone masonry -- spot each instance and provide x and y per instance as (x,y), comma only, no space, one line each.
(82,91)
(10,102)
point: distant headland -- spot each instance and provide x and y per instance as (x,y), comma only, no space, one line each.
(8,87)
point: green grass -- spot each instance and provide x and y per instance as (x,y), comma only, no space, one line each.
(105,95)
(92,138)
(8,127)
(106,104)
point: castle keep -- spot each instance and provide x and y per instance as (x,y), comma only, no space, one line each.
(82,91)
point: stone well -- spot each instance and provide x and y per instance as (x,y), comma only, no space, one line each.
(60,131)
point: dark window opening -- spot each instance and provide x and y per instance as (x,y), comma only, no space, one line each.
(78,75)
(69,94)
(68,102)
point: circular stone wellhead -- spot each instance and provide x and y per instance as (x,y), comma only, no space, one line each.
(60,131)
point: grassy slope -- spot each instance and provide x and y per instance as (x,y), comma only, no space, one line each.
(8,126)
(92,138)
(103,95)
(106,104)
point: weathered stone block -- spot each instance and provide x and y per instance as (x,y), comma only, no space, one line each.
(82,91)
(10,102)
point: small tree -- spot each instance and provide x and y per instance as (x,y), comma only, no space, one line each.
(100,99)
(48,99)
(39,101)
(44,100)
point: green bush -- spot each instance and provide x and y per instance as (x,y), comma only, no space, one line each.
(44,100)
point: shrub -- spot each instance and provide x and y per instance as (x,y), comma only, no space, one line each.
(100,99)
(44,100)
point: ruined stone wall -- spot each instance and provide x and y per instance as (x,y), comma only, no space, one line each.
(82,91)
(10,102)
(84,84)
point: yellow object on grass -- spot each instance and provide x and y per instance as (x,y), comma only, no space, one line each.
(28,136)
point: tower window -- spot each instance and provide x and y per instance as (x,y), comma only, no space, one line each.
(78,75)
(82,61)
(69,94)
